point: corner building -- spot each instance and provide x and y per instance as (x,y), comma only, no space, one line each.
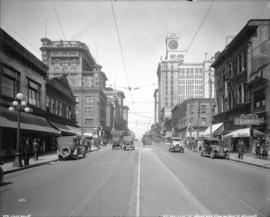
(85,77)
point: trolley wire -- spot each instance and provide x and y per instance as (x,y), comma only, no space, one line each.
(59,20)
(199,28)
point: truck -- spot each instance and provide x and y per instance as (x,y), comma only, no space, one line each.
(116,142)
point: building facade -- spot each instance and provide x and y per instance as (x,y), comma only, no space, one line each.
(242,77)
(125,114)
(191,117)
(61,106)
(116,98)
(85,77)
(156,112)
(21,71)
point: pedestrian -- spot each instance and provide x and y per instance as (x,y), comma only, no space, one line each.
(258,150)
(35,149)
(241,149)
(26,152)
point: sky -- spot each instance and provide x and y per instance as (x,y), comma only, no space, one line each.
(142,26)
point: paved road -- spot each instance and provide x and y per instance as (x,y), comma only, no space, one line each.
(149,181)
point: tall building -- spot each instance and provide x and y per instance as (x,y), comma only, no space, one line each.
(178,80)
(85,77)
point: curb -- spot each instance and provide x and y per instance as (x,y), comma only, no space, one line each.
(30,166)
(253,164)
(37,164)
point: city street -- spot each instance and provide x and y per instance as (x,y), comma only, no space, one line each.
(149,181)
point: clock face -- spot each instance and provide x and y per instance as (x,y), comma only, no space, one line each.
(173,44)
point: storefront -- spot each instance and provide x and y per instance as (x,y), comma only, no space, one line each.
(31,127)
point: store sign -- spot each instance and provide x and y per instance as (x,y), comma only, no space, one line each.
(249,119)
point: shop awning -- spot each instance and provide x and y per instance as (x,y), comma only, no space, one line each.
(245,132)
(76,130)
(217,130)
(28,122)
(63,129)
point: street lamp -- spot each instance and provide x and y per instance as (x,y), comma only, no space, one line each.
(19,105)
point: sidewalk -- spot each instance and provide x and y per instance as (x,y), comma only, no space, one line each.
(43,159)
(248,159)
(251,160)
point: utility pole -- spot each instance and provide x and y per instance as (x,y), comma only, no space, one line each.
(82,104)
(211,103)
(198,115)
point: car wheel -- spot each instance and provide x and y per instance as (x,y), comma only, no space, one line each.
(60,157)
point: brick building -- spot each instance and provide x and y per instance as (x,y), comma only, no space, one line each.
(191,117)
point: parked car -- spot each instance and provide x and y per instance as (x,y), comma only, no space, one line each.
(70,147)
(212,147)
(128,143)
(176,145)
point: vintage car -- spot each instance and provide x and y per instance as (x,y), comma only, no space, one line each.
(176,145)
(128,143)
(116,142)
(213,147)
(70,147)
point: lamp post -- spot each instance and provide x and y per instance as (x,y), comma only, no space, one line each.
(19,105)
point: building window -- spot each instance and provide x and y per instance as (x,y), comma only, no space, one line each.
(60,109)
(10,83)
(33,93)
(259,99)
(56,107)
(239,91)
(89,99)
(89,110)
(89,121)
(47,104)
(203,121)
(52,106)
(203,109)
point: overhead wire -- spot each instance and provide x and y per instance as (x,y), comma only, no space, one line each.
(121,48)
(59,20)
(22,38)
(199,27)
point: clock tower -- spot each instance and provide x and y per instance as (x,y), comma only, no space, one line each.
(173,51)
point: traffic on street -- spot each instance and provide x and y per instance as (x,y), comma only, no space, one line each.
(134,108)
(150,181)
